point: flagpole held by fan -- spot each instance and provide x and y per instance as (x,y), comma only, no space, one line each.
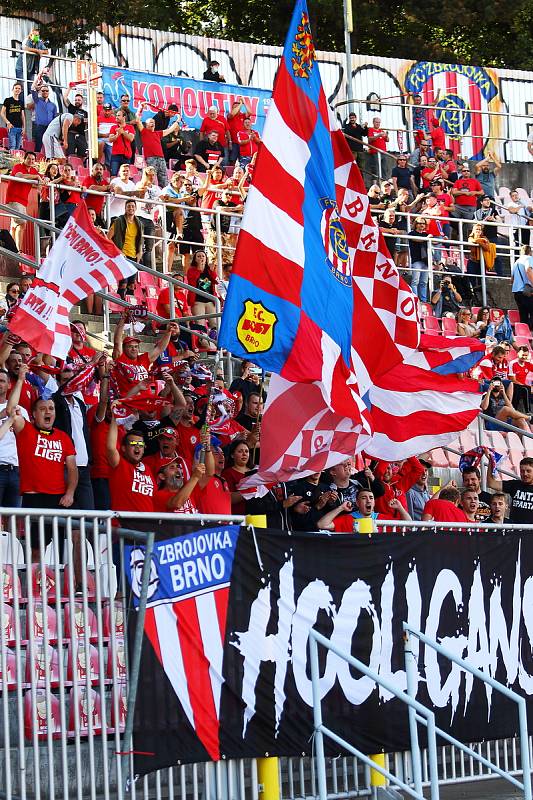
(209,408)
(258,414)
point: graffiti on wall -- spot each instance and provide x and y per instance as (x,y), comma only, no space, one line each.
(480,109)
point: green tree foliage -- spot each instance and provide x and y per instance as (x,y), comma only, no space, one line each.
(497,33)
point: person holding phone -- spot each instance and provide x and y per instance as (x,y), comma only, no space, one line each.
(445,298)
(496,404)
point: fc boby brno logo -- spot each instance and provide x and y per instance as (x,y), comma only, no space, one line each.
(464,93)
(255,328)
(335,242)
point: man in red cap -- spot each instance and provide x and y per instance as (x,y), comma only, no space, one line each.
(79,354)
(168,443)
(174,491)
(132,367)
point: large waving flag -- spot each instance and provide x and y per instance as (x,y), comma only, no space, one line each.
(316,299)
(306,231)
(81,261)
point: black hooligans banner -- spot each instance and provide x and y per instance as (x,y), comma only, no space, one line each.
(225,670)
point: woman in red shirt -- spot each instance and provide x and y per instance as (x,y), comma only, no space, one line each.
(121,136)
(237,461)
(202,276)
(212,188)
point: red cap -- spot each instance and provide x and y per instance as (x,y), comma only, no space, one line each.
(128,339)
(170,433)
(74,326)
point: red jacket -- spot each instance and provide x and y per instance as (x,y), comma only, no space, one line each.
(408,474)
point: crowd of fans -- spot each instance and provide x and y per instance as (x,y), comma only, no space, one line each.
(143,431)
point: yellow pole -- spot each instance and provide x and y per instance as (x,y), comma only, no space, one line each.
(376,778)
(267,768)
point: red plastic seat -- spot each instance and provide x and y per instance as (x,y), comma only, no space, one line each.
(521,341)
(475,310)
(89,709)
(432,324)
(11,671)
(41,619)
(36,582)
(77,663)
(514,316)
(119,619)
(43,724)
(439,458)
(8,584)
(120,660)
(522,329)
(426,310)
(77,631)
(449,325)
(45,662)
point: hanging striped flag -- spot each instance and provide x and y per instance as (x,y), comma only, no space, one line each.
(81,262)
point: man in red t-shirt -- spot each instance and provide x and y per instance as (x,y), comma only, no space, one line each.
(432,171)
(438,137)
(236,119)
(249,141)
(445,507)
(28,393)
(214,495)
(79,354)
(132,367)
(18,193)
(131,483)
(521,367)
(47,463)
(175,493)
(465,192)
(105,121)
(121,136)
(216,122)
(96,183)
(151,142)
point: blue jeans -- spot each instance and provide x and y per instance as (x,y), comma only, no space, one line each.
(14,137)
(420,280)
(9,486)
(116,163)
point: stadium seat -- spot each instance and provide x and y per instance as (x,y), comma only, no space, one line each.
(475,310)
(77,663)
(426,310)
(439,458)
(75,162)
(11,671)
(449,326)
(45,662)
(36,582)
(522,329)
(7,545)
(77,630)
(35,622)
(515,456)
(514,316)
(453,459)
(89,711)
(499,442)
(147,279)
(8,625)
(120,660)
(43,701)
(521,341)
(528,446)
(467,440)
(432,324)
(119,619)
(121,707)
(514,442)
(8,587)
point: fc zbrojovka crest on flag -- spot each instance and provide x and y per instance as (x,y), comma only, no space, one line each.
(81,261)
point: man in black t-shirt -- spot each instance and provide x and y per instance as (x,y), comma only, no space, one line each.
(208,152)
(354,130)
(12,115)
(472,482)
(520,491)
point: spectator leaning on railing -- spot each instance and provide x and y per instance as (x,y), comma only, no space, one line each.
(12,115)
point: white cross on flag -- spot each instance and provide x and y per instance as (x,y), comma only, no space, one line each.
(81,262)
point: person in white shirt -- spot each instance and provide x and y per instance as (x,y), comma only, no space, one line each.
(121,185)
(9,463)
(148,190)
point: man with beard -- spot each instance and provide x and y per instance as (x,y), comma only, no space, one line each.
(472,482)
(174,491)
(28,393)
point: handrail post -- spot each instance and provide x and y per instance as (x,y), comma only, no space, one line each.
(524,748)
(218,232)
(431,282)
(432,758)
(483,277)
(411,672)
(317,719)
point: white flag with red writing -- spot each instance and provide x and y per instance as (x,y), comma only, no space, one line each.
(81,262)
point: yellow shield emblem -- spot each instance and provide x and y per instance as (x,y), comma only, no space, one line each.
(255,328)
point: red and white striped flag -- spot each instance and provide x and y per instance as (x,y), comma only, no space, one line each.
(81,262)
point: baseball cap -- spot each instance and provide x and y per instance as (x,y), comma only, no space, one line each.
(79,329)
(170,433)
(107,106)
(486,197)
(129,339)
